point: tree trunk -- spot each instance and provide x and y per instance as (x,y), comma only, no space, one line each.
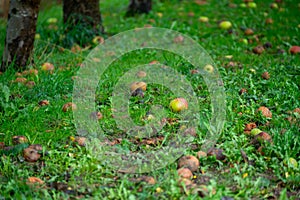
(139,6)
(20,32)
(4,8)
(82,18)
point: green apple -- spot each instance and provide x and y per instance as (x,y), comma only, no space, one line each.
(255,131)
(178,104)
(292,161)
(37,36)
(243,5)
(203,19)
(225,25)
(244,40)
(252,5)
(52,20)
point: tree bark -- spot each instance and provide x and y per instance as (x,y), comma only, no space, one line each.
(83,17)
(20,32)
(139,6)
(4,9)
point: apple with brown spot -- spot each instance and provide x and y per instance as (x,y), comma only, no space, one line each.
(48,67)
(178,104)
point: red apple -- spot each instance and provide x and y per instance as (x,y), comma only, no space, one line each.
(47,67)
(295,49)
(178,104)
(69,106)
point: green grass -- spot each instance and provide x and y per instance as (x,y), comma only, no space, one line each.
(70,171)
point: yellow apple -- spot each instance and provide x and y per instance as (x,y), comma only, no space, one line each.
(203,19)
(178,104)
(52,20)
(225,25)
(209,68)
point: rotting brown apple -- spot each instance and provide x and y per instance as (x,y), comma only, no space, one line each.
(185,173)
(136,85)
(69,106)
(190,162)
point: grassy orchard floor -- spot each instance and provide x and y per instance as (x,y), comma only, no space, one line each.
(71,171)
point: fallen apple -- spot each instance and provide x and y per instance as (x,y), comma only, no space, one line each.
(52,20)
(244,40)
(209,68)
(31,155)
(248,31)
(98,40)
(255,131)
(243,5)
(295,49)
(178,104)
(136,85)
(190,162)
(266,75)
(252,5)
(34,180)
(262,137)
(203,19)
(19,139)
(81,141)
(33,72)
(154,62)
(258,50)
(265,111)
(159,14)
(291,161)
(37,36)
(185,173)
(201,154)
(47,67)
(44,103)
(274,6)
(269,21)
(249,127)
(225,25)
(20,80)
(141,74)
(69,106)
